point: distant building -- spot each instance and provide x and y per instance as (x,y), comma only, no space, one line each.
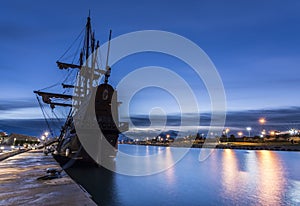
(3,136)
(15,139)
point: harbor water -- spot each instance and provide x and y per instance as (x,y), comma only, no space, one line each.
(226,177)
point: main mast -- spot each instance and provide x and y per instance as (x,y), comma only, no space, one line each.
(85,82)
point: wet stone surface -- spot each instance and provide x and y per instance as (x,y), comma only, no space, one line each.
(19,184)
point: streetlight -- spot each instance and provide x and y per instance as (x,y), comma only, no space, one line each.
(249,130)
(240,134)
(262,121)
(226,132)
(43,137)
(46,135)
(263,133)
(292,132)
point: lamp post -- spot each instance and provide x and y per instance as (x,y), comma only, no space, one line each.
(249,131)
(43,139)
(262,121)
(46,135)
(263,133)
(227,130)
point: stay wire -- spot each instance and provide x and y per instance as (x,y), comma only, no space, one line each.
(42,108)
(72,44)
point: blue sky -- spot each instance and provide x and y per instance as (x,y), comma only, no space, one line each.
(253,44)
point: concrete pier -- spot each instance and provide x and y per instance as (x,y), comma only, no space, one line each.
(19,184)
(5,155)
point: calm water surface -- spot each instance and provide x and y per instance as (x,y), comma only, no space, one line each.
(227,177)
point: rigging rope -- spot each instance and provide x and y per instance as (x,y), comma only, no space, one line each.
(62,80)
(72,43)
(50,86)
(51,118)
(59,122)
(42,108)
(57,118)
(78,50)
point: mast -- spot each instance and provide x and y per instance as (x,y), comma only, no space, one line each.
(86,80)
(108,49)
(84,77)
(88,28)
(108,69)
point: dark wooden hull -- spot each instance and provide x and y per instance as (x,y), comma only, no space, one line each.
(67,162)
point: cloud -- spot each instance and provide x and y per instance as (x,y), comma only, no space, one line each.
(6,105)
(276,119)
(281,119)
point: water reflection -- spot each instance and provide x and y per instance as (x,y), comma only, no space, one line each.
(271,179)
(227,177)
(232,177)
(258,174)
(170,176)
(229,171)
(155,160)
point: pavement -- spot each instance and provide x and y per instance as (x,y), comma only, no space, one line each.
(19,184)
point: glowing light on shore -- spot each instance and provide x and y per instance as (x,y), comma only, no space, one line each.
(293,131)
(262,120)
(263,133)
(249,131)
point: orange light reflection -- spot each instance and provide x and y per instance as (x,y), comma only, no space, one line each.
(232,178)
(271,178)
